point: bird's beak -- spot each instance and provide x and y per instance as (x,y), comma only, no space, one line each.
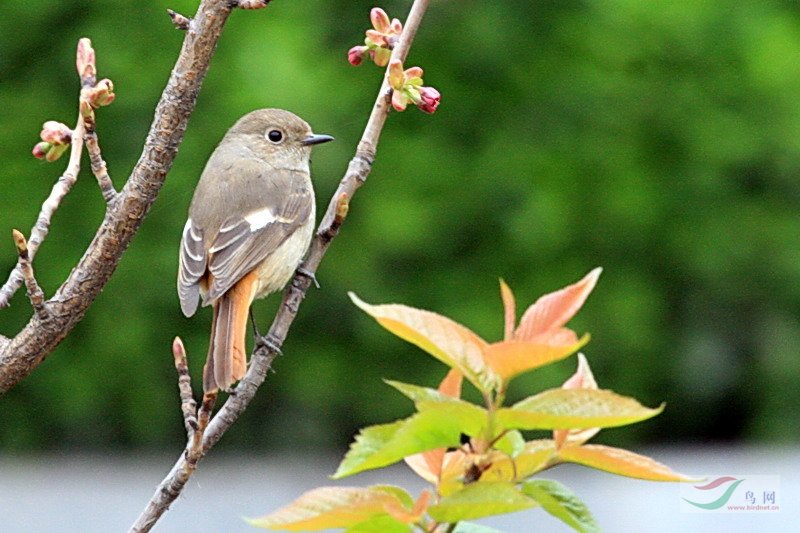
(315,139)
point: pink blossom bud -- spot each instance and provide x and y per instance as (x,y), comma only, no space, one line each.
(356,55)
(380,20)
(428,99)
(102,94)
(40,149)
(84,61)
(56,133)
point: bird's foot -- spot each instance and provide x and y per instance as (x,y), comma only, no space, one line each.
(310,275)
(269,342)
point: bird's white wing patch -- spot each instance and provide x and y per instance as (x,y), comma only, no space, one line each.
(259,219)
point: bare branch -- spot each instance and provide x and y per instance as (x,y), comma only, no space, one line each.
(42,226)
(35,293)
(124,215)
(261,359)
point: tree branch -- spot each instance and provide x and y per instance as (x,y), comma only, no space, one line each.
(125,214)
(261,359)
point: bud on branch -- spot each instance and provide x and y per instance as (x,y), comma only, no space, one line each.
(407,87)
(380,40)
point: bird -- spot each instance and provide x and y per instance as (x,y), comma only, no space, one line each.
(249,227)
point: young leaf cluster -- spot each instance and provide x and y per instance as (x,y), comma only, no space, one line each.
(475,456)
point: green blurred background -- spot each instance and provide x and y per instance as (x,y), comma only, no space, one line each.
(658,140)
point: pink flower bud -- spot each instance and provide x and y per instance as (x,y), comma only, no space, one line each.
(84,61)
(102,94)
(40,149)
(428,99)
(356,55)
(56,133)
(380,20)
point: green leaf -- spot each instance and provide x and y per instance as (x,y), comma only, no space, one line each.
(420,394)
(480,499)
(329,507)
(469,527)
(562,503)
(446,340)
(512,443)
(383,523)
(437,426)
(574,409)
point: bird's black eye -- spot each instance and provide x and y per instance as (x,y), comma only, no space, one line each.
(275,136)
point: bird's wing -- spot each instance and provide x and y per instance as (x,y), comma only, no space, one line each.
(244,241)
(191,267)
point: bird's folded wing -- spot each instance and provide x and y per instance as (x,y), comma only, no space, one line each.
(192,267)
(243,242)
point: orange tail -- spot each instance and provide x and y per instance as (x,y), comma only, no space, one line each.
(227,359)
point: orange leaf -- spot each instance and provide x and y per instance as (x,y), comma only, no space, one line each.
(509,310)
(621,462)
(509,358)
(446,340)
(557,308)
(329,507)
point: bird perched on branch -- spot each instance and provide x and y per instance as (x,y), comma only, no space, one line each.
(249,227)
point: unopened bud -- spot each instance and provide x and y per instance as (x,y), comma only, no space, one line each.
(40,149)
(56,133)
(356,55)
(429,99)
(85,62)
(102,94)
(48,151)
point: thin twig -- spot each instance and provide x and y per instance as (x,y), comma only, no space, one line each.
(42,226)
(99,168)
(188,405)
(35,293)
(261,359)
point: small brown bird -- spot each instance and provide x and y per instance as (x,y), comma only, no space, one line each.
(250,224)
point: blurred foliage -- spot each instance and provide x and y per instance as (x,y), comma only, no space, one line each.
(661,141)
